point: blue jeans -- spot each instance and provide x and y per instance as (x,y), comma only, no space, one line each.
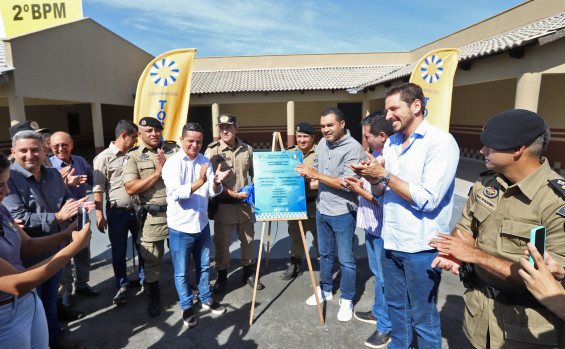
(380,307)
(47,291)
(23,323)
(340,229)
(121,221)
(183,246)
(411,294)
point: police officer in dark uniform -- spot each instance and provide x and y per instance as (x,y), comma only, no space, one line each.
(231,212)
(521,192)
(142,177)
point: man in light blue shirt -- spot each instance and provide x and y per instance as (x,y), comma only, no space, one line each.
(418,179)
(190,181)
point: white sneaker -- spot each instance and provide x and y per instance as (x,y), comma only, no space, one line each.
(345,312)
(323,296)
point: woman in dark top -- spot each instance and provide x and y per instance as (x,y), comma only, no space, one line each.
(22,318)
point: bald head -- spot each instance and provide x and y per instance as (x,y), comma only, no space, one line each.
(62,145)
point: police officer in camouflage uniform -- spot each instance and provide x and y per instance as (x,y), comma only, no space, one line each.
(237,156)
(142,177)
(305,143)
(520,192)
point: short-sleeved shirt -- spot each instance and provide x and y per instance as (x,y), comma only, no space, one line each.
(36,203)
(307,160)
(500,215)
(108,176)
(10,244)
(239,160)
(334,159)
(141,162)
(81,168)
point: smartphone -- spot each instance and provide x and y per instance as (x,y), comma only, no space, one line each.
(81,217)
(537,237)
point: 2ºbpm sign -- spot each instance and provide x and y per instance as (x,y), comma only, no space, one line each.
(24,16)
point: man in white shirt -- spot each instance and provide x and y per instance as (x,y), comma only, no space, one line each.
(190,181)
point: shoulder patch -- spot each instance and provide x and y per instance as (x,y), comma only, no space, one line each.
(246,142)
(126,158)
(559,186)
(214,144)
(134,148)
(561,211)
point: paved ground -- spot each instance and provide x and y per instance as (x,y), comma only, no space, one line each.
(282,318)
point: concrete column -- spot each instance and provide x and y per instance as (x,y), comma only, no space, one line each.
(215,114)
(96,110)
(527,91)
(290,123)
(16,108)
(364,113)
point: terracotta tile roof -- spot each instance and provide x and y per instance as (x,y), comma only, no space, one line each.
(499,43)
(286,79)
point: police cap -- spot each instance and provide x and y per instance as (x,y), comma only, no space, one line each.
(150,122)
(512,128)
(29,125)
(305,127)
(227,119)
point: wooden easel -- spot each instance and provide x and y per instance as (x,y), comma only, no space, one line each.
(277,135)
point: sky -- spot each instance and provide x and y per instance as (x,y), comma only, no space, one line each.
(273,27)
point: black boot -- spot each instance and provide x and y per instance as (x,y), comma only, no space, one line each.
(293,269)
(221,282)
(249,277)
(154,306)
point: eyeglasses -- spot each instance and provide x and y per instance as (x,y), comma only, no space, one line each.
(62,145)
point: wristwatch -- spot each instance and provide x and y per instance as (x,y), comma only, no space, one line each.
(385,179)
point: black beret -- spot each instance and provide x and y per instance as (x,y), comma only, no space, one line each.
(305,127)
(29,125)
(512,128)
(226,119)
(150,122)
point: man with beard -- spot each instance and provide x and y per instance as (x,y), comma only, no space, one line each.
(418,180)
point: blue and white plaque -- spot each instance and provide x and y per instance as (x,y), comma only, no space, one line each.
(279,190)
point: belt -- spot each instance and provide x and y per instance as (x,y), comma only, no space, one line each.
(118,207)
(524,299)
(11,299)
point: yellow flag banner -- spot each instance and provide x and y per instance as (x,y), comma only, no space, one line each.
(163,91)
(434,73)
